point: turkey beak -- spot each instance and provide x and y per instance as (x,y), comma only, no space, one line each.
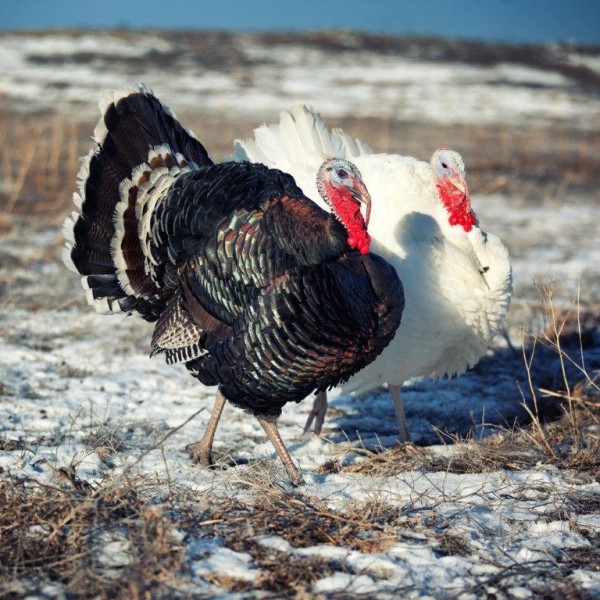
(459,184)
(361,195)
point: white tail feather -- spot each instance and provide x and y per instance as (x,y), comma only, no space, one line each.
(300,137)
(69,235)
(103,306)
(116,287)
(353,147)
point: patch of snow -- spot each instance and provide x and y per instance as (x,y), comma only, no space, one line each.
(584,60)
(279,76)
(116,554)
(351,584)
(226,562)
(96,43)
(588,521)
(274,542)
(552,242)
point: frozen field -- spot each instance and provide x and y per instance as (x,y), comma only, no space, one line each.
(85,412)
(341,74)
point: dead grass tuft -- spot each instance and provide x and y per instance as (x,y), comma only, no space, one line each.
(93,542)
(44,155)
(555,443)
(301,521)
(305,521)
(298,520)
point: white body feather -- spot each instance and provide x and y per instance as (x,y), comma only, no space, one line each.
(457,285)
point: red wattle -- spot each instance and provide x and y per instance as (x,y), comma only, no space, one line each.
(347,210)
(458,206)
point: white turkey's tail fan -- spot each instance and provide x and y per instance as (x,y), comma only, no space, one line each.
(140,149)
(300,138)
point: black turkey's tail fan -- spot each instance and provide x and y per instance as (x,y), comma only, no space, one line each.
(141,149)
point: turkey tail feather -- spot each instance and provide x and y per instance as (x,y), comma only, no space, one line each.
(300,134)
(140,150)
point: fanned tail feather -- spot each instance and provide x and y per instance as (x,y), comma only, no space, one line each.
(352,147)
(300,137)
(140,150)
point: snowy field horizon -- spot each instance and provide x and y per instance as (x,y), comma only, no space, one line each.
(84,411)
(340,73)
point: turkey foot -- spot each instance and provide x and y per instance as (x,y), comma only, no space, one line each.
(201,451)
(272,432)
(317,413)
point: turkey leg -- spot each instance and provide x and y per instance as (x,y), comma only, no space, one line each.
(272,432)
(317,413)
(399,410)
(201,452)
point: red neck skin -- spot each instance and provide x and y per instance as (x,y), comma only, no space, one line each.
(347,210)
(457,204)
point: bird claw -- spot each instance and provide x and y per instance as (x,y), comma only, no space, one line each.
(406,447)
(296,479)
(311,417)
(200,454)
(317,414)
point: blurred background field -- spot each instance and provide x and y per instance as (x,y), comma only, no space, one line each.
(525,118)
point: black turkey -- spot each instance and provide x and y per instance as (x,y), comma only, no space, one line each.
(251,285)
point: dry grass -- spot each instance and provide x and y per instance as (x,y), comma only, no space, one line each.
(300,520)
(44,155)
(70,534)
(38,175)
(556,443)
(109,540)
(64,535)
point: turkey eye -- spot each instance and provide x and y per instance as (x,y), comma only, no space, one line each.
(444,165)
(341,173)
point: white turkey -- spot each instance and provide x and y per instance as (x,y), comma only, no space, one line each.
(252,286)
(457,278)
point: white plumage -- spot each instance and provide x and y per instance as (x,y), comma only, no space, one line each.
(457,278)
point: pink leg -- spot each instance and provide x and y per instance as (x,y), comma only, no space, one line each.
(399,410)
(317,414)
(201,452)
(272,432)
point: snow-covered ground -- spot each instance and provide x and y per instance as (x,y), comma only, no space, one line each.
(69,378)
(257,77)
